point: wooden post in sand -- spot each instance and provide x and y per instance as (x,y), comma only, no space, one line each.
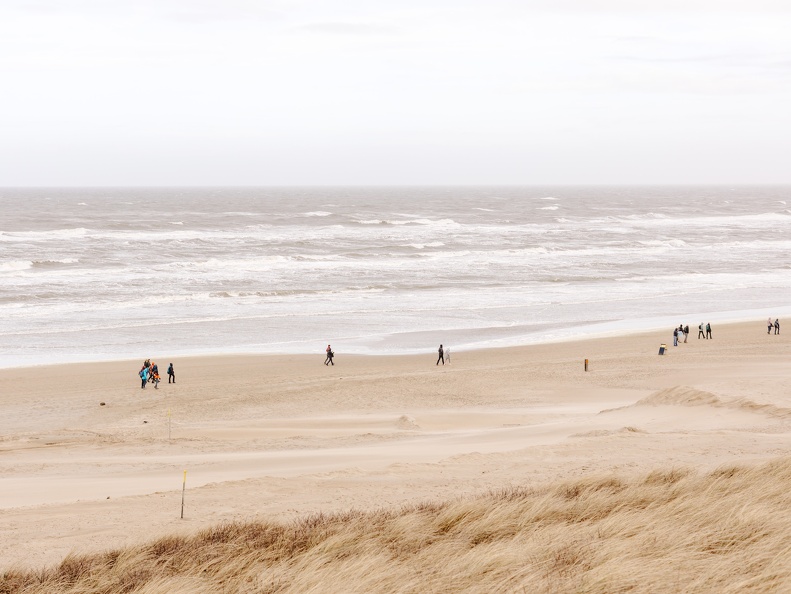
(183,489)
(586,365)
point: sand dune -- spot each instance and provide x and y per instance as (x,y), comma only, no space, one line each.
(277,437)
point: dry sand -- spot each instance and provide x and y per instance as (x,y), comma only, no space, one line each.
(281,436)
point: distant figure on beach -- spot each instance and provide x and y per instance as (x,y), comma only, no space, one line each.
(153,375)
(675,336)
(686,332)
(330,355)
(171,373)
(708,330)
(777,326)
(144,375)
(681,332)
(441,357)
(769,326)
(447,355)
(700,331)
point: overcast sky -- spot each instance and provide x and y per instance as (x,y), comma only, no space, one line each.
(246,92)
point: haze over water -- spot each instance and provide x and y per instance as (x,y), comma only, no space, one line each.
(89,274)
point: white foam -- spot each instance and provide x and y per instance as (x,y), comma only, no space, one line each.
(15,265)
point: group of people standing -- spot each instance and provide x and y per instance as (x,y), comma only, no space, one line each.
(704,331)
(682,332)
(775,325)
(149,373)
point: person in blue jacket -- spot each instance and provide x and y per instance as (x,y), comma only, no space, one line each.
(144,376)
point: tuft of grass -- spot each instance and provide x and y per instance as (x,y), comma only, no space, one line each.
(671,530)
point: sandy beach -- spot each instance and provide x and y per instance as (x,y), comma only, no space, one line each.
(90,461)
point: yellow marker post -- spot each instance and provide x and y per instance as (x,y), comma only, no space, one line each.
(183,489)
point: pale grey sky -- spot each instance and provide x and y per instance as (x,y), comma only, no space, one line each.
(219,92)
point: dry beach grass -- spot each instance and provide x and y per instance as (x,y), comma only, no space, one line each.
(668,531)
(510,471)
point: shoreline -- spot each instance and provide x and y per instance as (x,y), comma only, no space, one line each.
(594,331)
(281,436)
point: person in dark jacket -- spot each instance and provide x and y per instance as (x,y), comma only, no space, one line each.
(441,355)
(171,374)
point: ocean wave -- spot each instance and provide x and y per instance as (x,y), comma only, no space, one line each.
(54,263)
(15,266)
(547,208)
(298,292)
(413,222)
(12,236)
(421,246)
(317,213)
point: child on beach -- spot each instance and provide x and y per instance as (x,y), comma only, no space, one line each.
(154,375)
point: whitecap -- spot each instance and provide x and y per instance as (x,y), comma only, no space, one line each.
(548,208)
(15,265)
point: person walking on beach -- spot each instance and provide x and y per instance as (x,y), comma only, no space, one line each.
(708,330)
(171,374)
(144,375)
(330,355)
(441,357)
(769,326)
(447,355)
(701,334)
(686,332)
(675,336)
(777,326)
(681,332)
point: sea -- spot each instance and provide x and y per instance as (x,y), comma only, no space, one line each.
(89,274)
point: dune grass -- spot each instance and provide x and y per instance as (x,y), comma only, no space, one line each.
(672,530)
